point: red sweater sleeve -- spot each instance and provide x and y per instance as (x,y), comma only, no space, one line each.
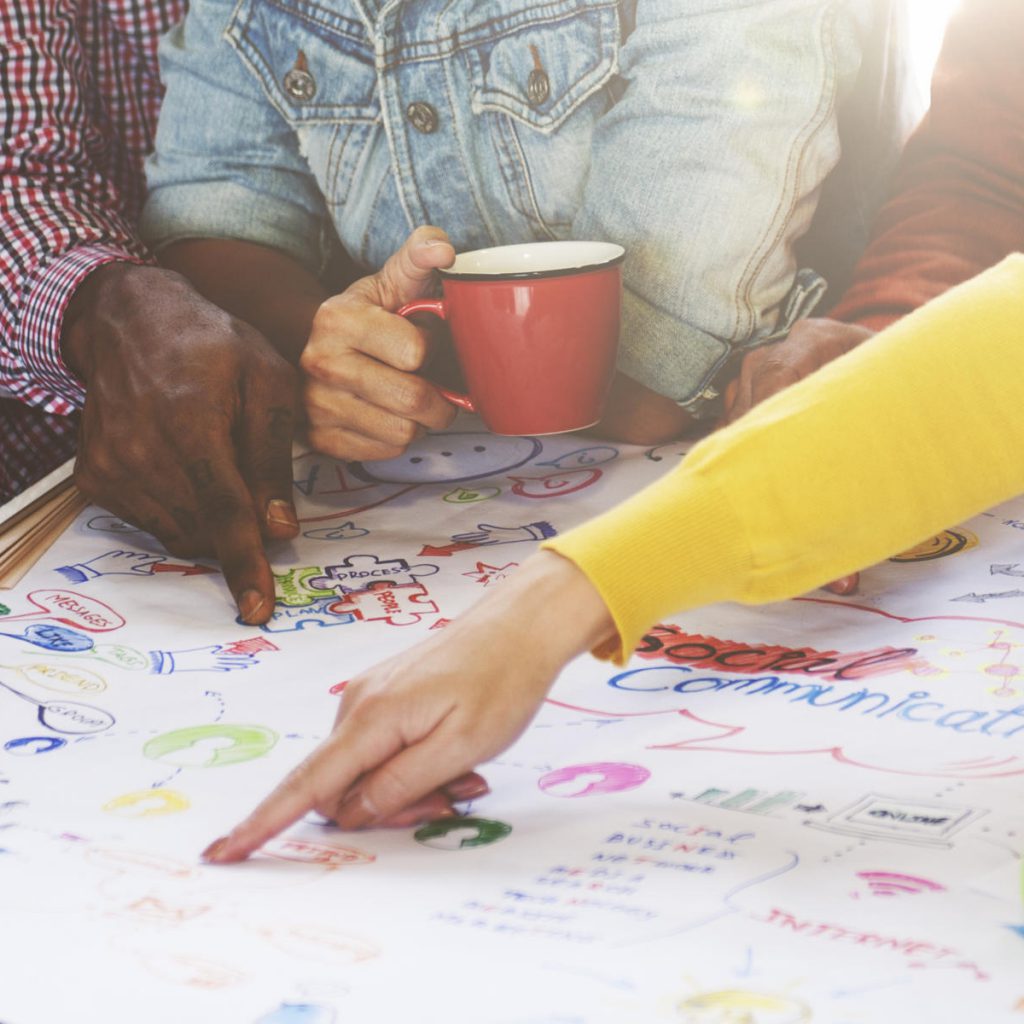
(958,206)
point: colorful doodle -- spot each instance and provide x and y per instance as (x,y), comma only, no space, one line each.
(26,746)
(397,605)
(211,658)
(888,884)
(942,545)
(462,833)
(738,1006)
(595,455)
(298,1013)
(53,638)
(326,855)
(898,820)
(452,458)
(147,803)
(128,563)
(356,572)
(555,485)
(485,574)
(325,612)
(468,496)
(211,746)
(64,716)
(596,778)
(343,531)
(62,679)
(672,644)
(71,609)
(489,534)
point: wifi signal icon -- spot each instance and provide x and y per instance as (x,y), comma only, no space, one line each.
(886,883)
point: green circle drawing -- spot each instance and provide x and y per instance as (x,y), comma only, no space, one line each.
(245,742)
(461,833)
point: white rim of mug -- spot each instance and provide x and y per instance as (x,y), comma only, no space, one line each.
(611,254)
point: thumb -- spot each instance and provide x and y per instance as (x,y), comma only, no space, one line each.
(408,272)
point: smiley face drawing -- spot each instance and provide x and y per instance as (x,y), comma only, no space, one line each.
(451,458)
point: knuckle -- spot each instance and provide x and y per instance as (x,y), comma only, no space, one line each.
(97,468)
(414,397)
(314,361)
(389,789)
(220,507)
(403,432)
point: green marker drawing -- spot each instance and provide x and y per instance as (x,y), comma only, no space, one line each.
(461,833)
(211,746)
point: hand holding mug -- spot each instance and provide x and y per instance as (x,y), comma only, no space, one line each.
(363,397)
(536,330)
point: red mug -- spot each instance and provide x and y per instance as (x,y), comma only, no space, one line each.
(536,329)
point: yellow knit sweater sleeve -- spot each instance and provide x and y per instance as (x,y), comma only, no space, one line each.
(917,429)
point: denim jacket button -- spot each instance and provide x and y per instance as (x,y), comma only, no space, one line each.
(422,116)
(299,84)
(538,87)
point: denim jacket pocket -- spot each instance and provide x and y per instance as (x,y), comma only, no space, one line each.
(540,77)
(316,67)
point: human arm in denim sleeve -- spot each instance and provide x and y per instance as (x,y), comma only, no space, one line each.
(61,217)
(709,168)
(227,163)
(958,201)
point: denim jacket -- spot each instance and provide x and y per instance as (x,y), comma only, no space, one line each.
(696,133)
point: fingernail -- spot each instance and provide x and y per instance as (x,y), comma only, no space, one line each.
(357,811)
(468,789)
(281,513)
(436,241)
(211,855)
(250,603)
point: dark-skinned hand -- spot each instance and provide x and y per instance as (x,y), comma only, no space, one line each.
(187,426)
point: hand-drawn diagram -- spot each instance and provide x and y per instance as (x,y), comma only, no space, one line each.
(797,814)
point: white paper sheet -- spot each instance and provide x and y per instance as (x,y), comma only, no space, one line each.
(728,831)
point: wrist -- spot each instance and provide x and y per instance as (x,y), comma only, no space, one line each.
(551,606)
(113,287)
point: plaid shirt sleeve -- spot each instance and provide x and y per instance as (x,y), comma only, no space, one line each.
(74,107)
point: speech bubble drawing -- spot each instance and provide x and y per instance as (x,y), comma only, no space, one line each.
(65,716)
(72,609)
(58,639)
(63,679)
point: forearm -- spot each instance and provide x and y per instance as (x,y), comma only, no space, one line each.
(262,286)
(958,201)
(785,499)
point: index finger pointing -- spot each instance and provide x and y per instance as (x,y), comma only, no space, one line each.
(226,512)
(333,767)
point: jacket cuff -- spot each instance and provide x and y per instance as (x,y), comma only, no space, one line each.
(52,385)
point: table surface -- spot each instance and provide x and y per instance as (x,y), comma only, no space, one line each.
(724,831)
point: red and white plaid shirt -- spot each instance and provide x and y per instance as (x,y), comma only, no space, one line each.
(79,95)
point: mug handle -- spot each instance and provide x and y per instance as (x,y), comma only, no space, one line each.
(436,306)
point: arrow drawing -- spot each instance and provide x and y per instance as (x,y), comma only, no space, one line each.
(447,549)
(1010,569)
(185,570)
(982,598)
